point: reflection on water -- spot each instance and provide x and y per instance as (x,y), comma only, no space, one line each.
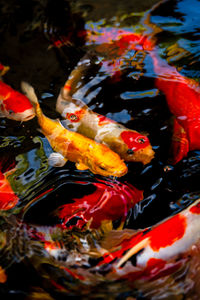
(62,221)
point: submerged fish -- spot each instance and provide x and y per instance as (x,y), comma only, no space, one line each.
(111,201)
(14,105)
(8,199)
(183,98)
(86,153)
(129,144)
(155,249)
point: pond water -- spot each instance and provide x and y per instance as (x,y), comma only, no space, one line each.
(58,221)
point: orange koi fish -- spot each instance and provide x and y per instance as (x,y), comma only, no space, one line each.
(111,201)
(14,105)
(8,199)
(86,153)
(129,144)
(3,276)
(155,249)
(183,98)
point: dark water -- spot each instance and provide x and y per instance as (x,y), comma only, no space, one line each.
(27,29)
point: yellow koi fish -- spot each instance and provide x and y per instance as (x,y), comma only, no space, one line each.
(69,145)
(129,144)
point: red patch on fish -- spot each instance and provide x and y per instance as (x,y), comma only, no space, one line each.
(13,101)
(134,140)
(195,209)
(67,87)
(110,201)
(168,232)
(186,108)
(103,120)
(76,116)
(156,268)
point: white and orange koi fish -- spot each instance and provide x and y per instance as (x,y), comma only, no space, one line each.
(69,145)
(156,248)
(129,144)
(13,104)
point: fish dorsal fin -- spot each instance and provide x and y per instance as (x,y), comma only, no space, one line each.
(29,92)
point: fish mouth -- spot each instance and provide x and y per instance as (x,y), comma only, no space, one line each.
(110,172)
(29,117)
(144,155)
(120,173)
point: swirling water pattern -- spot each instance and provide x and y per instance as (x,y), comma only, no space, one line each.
(35,241)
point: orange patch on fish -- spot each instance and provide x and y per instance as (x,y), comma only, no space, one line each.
(103,120)
(67,87)
(3,276)
(8,199)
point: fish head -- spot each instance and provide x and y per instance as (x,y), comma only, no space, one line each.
(106,162)
(22,116)
(17,106)
(136,147)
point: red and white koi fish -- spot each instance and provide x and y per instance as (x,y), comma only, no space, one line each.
(155,249)
(69,145)
(14,105)
(129,144)
(183,98)
(111,201)
(8,199)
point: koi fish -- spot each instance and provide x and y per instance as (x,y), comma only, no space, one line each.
(3,276)
(129,144)
(155,249)
(8,199)
(111,201)
(14,105)
(86,153)
(183,98)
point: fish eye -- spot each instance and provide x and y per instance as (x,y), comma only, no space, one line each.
(73,117)
(141,140)
(130,151)
(10,112)
(102,168)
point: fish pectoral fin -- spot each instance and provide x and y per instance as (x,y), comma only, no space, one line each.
(56,160)
(180,143)
(81,166)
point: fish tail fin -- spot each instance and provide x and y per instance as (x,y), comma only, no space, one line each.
(74,78)
(30,93)
(76,75)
